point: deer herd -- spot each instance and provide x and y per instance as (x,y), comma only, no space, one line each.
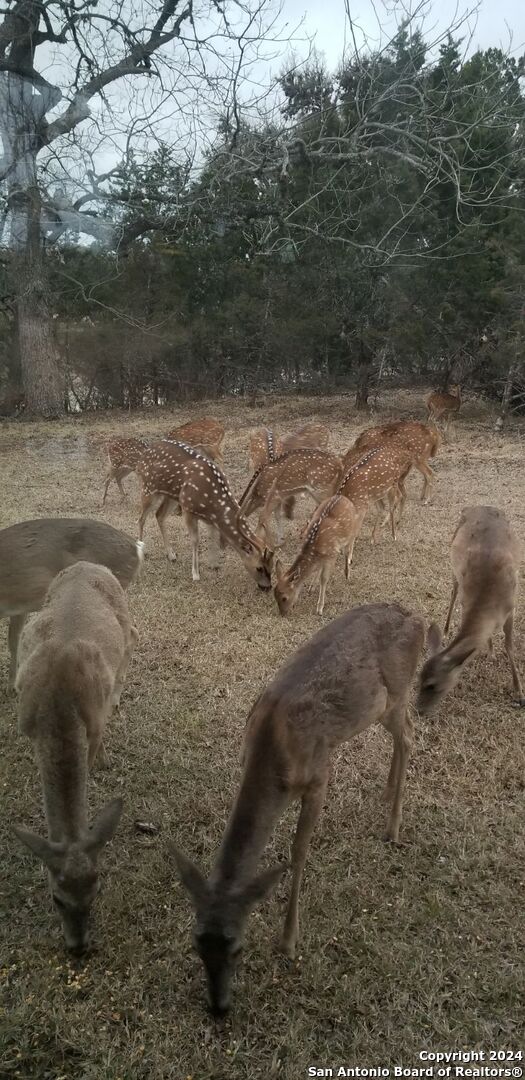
(69,661)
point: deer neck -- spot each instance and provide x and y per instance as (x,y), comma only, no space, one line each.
(257,808)
(62,763)
(302,568)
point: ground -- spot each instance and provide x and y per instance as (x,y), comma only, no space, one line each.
(402,948)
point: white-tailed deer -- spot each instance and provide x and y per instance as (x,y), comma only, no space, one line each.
(311,436)
(332,530)
(73,659)
(355,672)
(485,556)
(422,441)
(262,448)
(33,552)
(374,477)
(442,406)
(314,472)
(175,474)
(123,456)
(205,433)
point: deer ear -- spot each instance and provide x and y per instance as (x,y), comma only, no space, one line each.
(263,884)
(104,826)
(434,638)
(190,876)
(268,555)
(279,569)
(48,853)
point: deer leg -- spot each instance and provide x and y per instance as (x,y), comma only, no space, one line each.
(96,748)
(428,479)
(161,515)
(400,726)
(215,545)
(349,554)
(326,573)
(451,605)
(16,623)
(119,478)
(149,503)
(192,525)
(508,630)
(380,507)
(402,495)
(311,806)
(289,507)
(123,669)
(109,477)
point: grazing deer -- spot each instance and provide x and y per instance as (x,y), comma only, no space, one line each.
(206,434)
(485,556)
(332,529)
(316,472)
(375,476)
(311,436)
(174,473)
(422,441)
(73,660)
(123,457)
(442,406)
(355,672)
(262,448)
(33,552)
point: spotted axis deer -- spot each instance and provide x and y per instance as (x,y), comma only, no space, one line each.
(311,436)
(33,552)
(442,406)
(262,448)
(485,556)
(374,477)
(332,530)
(314,472)
(357,671)
(123,456)
(74,656)
(173,473)
(205,434)
(422,441)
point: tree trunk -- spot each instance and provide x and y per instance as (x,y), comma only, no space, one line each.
(507,394)
(365,373)
(42,377)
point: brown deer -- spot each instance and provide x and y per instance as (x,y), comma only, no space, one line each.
(205,433)
(422,441)
(262,448)
(375,477)
(123,457)
(73,660)
(173,473)
(485,556)
(33,552)
(311,436)
(332,530)
(315,472)
(442,406)
(355,672)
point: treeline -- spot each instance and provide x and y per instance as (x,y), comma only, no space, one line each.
(374,231)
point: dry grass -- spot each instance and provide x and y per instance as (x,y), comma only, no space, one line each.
(402,948)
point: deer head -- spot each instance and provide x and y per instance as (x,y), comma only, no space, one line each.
(286,590)
(221,916)
(257,558)
(72,870)
(443,670)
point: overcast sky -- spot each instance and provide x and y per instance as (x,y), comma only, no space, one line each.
(498,22)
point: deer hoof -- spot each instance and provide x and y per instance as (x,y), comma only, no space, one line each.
(519,703)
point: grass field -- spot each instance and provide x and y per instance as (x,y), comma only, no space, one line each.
(403,948)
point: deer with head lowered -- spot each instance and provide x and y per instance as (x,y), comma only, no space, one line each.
(204,434)
(332,529)
(33,552)
(73,659)
(355,672)
(311,436)
(422,441)
(444,405)
(314,472)
(262,448)
(485,556)
(174,474)
(123,457)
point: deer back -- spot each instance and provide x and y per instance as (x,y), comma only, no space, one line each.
(312,436)
(297,470)
(33,552)
(125,452)
(205,433)
(262,448)
(375,473)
